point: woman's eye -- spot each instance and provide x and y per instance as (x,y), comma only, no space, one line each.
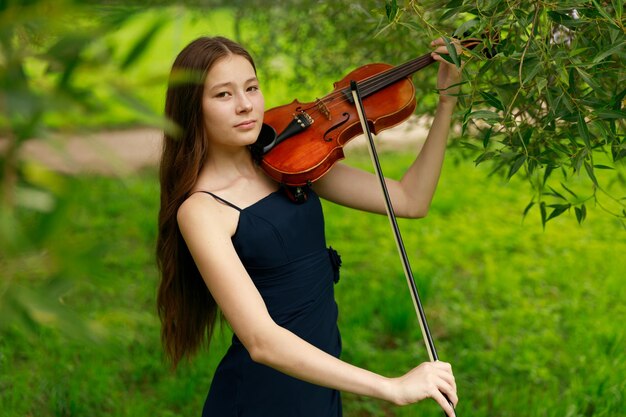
(253,88)
(222,94)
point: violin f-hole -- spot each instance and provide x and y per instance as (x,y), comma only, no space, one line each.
(346,117)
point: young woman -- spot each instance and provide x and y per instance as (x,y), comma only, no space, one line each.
(230,238)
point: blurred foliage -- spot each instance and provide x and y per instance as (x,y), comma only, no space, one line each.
(43,46)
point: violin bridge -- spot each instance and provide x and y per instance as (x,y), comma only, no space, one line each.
(321,106)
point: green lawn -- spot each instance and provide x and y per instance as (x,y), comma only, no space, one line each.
(530,319)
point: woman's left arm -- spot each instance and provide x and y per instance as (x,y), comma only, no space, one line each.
(412,195)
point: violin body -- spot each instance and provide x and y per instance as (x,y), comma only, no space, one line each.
(300,142)
(307,155)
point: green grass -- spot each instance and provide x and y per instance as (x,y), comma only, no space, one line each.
(530,319)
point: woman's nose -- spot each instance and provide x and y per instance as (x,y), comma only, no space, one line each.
(244,105)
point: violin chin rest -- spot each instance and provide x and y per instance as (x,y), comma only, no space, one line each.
(265,141)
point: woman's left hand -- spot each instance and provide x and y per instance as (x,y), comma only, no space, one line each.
(449,75)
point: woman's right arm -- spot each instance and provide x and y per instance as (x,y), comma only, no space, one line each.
(207,227)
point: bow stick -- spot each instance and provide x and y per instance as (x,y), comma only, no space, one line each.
(428,340)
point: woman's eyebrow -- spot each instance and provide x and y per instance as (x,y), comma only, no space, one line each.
(230,83)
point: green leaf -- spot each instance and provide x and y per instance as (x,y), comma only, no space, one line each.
(616,101)
(466,119)
(608,52)
(565,19)
(591,82)
(391,9)
(142,43)
(581,213)
(611,114)
(540,84)
(412,26)
(604,13)
(571,82)
(469,145)
(460,31)
(547,173)
(453,4)
(484,157)
(65,55)
(578,159)
(528,207)
(525,134)
(486,66)
(555,193)
(535,66)
(519,161)
(450,13)
(558,209)
(493,100)
(568,190)
(557,16)
(590,173)
(542,210)
(452,51)
(618,6)
(485,114)
(583,130)
(487,137)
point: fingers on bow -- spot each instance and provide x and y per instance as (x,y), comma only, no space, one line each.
(445,388)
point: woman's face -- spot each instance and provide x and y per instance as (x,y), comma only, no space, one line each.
(232,103)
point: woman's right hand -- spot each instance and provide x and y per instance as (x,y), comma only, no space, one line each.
(428,380)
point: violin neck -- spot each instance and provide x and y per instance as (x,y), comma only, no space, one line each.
(392,75)
(379,81)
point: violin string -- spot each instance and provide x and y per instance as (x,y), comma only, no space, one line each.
(382,78)
(378,81)
(406,69)
(371,84)
(374,83)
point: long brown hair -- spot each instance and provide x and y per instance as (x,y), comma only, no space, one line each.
(185,306)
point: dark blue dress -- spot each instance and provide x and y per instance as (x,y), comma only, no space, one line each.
(283,247)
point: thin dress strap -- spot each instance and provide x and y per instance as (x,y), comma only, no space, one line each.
(220,199)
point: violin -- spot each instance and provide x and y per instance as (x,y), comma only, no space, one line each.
(300,142)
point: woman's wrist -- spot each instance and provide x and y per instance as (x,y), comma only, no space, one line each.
(448,97)
(387,390)
(447,101)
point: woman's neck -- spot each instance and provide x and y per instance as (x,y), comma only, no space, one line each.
(232,171)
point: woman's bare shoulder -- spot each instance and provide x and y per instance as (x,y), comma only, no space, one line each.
(201,211)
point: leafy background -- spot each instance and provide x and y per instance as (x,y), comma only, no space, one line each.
(519,262)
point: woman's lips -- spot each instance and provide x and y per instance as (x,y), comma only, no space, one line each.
(248,124)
